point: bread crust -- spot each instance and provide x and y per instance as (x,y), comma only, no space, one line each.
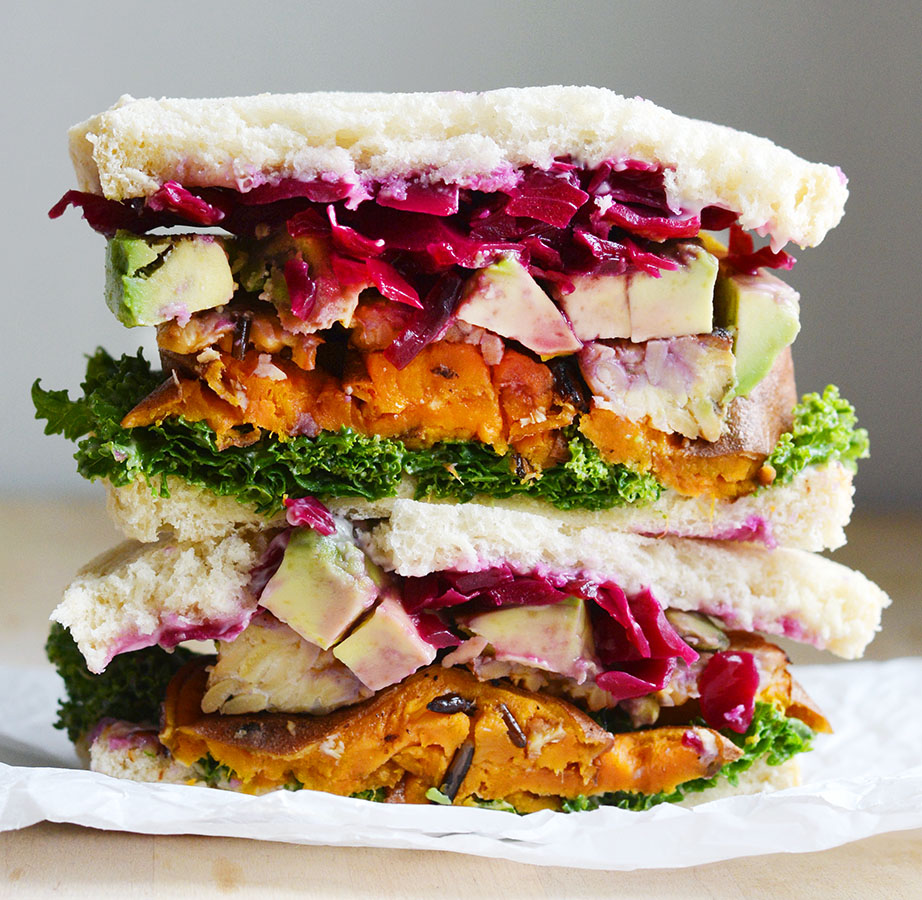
(471,139)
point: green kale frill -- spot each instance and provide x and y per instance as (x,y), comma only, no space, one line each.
(132,687)
(825,430)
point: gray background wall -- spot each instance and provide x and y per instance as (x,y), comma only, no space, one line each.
(838,82)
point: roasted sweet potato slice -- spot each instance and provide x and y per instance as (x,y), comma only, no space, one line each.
(515,744)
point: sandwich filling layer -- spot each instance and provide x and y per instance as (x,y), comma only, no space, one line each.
(571,335)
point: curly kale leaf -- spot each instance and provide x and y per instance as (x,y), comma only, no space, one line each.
(374,795)
(584,481)
(214,773)
(261,474)
(825,429)
(132,687)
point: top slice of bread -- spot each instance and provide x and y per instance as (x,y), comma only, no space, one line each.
(475,140)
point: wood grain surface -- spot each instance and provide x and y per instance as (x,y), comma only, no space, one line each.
(42,544)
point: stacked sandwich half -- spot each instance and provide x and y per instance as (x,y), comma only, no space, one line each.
(473,452)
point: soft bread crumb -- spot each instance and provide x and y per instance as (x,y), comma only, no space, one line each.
(139,760)
(810,513)
(189,512)
(470,139)
(136,590)
(759,777)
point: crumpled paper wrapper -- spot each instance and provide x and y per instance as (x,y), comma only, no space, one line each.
(866,779)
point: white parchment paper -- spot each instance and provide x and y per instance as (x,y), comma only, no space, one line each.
(865,779)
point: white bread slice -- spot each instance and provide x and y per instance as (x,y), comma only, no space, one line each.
(140,589)
(473,139)
(783,592)
(115,752)
(757,778)
(810,513)
(135,590)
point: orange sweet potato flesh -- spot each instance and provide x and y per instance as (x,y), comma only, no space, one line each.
(446,393)
(394,741)
(642,447)
(270,393)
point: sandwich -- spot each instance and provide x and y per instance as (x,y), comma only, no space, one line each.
(472,469)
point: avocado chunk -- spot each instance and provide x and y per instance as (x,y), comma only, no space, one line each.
(386,647)
(322,586)
(556,637)
(151,280)
(679,301)
(597,307)
(763,314)
(698,630)
(505,299)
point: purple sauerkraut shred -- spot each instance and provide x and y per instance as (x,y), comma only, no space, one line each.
(268,564)
(434,631)
(173,197)
(430,322)
(727,689)
(391,284)
(636,679)
(309,512)
(302,289)
(542,217)
(633,640)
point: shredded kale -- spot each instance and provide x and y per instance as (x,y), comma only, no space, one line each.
(825,429)
(771,736)
(580,803)
(500,805)
(434,795)
(213,773)
(375,795)
(132,687)
(584,481)
(333,463)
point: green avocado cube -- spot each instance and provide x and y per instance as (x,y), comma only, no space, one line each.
(597,307)
(386,647)
(678,302)
(505,299)
(151,280)
(763,314)
(322,586)
(556,637)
